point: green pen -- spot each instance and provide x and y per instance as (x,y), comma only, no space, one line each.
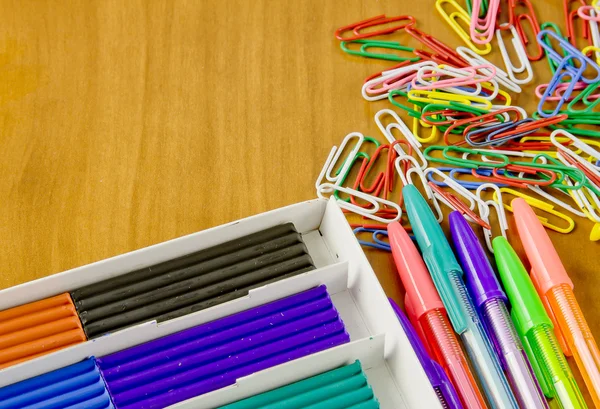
(536,329)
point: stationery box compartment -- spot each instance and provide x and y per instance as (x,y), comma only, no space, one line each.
(340,265)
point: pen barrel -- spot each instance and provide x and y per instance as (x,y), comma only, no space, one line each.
(579,337)
(480,350)
(448,353)
(554,365)
(518,370)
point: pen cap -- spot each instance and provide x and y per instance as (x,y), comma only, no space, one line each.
(479,275)
(542,255)
(437,253)
(413,273)
(526,304)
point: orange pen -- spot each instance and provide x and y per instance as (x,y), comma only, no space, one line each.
(428,315)
(553,283)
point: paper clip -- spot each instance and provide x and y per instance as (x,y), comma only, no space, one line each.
(379,87)
(551,26)
(334,156)
(407,180)
(561,73)
(458,78)
(444,54)
(417,122)
(478,61)
(485,211)
(398,124)
(569,50)
(594,154)
(377,243)
(525,65)
(515,19)
(380,44)
(370,213)
(460,14)
(482,30)
(372,22)
(538,204)
(451,200)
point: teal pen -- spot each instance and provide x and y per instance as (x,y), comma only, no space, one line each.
(447,276)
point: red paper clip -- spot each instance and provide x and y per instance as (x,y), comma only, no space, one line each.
(570,17)
(458,205)
(532,126)
(515,19)
(372,22)
(452,57)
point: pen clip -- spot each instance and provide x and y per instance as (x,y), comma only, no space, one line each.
(557,331)
(540,374)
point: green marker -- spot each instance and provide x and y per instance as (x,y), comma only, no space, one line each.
(536,329)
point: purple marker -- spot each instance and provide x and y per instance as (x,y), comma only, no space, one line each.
(214,355)
(490,301)
(438,378)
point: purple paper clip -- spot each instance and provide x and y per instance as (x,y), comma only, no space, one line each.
(570,51)
(438,378)
(490,301)
(214,355)
(562,71)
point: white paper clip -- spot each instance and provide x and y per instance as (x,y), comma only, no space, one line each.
(406,179)
(458,189)
(371,212)
(334,156)
(485,211)
(521,54)
(477,60)
(398,124)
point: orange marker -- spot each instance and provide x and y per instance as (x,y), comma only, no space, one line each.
(553,283)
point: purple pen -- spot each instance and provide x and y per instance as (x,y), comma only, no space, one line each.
(438,378)
(490,301)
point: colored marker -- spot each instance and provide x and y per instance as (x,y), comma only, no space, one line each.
(429,314)
(554,283)
(535,328)
(490,301)
(436,375)
(447,277)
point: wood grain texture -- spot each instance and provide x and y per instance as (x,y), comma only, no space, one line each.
(127,123)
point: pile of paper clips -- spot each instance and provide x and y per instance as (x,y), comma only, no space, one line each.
(466,135)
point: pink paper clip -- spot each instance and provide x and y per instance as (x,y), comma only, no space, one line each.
(482,30)
(470,77)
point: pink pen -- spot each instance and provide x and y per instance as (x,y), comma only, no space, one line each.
(430,315)
(553,284)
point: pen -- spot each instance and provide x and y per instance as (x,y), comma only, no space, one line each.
(554,283)
(490,301)
(438,378)
(447,277)
(535,328)
(429,315)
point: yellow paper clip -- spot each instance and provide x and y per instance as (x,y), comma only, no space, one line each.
(452,19)
(594,49)
(418,124)
(538,204)
(438,97)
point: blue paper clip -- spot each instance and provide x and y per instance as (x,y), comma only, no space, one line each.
(570,51)
(562,72)
(377,243)
(498,128)
(500,141)
(469,185)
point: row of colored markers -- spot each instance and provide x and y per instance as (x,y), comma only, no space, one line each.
(516,355)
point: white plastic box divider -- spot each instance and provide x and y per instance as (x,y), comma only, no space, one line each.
(377,338)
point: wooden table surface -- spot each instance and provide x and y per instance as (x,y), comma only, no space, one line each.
(128,123)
